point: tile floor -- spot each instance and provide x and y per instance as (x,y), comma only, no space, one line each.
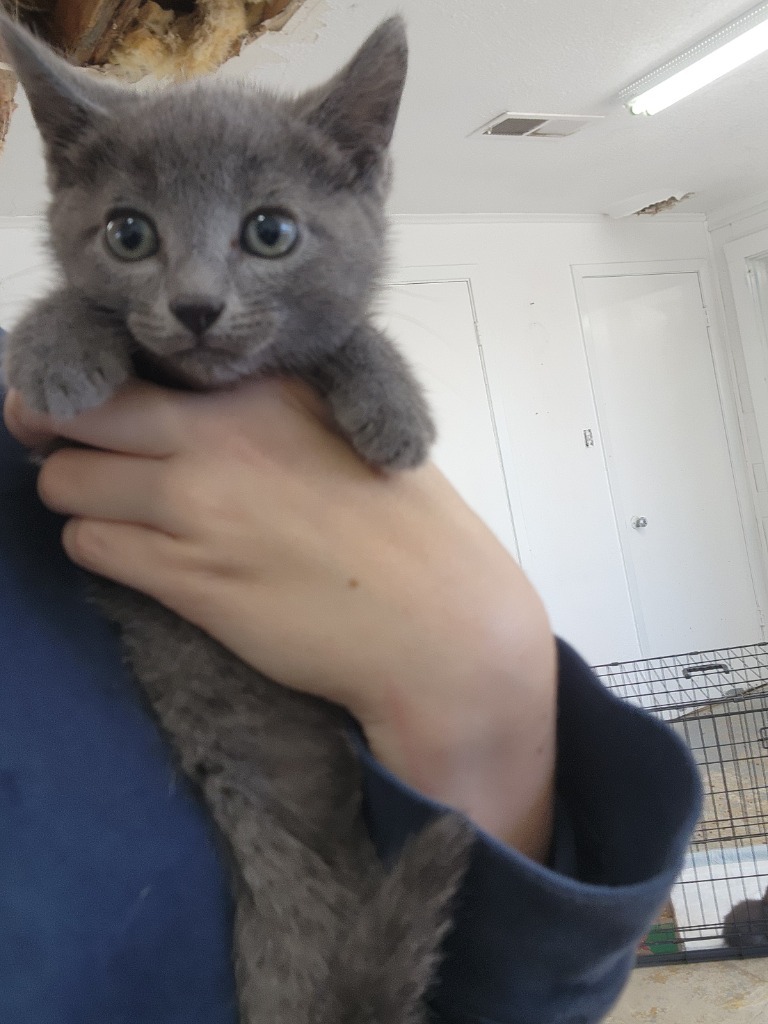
(724,992)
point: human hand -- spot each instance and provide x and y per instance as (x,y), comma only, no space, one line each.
(244,512)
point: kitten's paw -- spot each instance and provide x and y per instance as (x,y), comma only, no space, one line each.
(65,391)
(393,439)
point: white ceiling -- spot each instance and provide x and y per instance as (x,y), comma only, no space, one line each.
(472,61)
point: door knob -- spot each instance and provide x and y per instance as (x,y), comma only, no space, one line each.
(639,522)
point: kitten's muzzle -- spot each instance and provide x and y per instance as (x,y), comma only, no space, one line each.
(197,316)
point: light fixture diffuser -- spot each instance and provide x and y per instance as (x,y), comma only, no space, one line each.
(723,51)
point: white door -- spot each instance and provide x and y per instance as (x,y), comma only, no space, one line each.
(668,462)
(433,323)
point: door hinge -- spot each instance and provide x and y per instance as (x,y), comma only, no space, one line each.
(707,317)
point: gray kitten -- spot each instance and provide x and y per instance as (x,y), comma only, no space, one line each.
(205,233)
(746,924)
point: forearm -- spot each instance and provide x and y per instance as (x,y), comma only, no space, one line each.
(482,738)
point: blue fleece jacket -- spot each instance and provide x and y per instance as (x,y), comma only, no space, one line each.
(114,902)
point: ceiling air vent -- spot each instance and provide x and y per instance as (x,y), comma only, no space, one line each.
(542,126)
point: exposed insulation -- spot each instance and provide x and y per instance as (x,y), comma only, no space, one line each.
(7,105)
(172,45)
(168,44)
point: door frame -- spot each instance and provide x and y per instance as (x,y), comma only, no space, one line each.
(462,274)
(725,382)
(754,335)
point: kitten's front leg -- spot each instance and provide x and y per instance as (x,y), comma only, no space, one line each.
(377,401)
(66,356)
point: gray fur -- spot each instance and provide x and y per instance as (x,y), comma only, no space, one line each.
(746,924)
(323,933)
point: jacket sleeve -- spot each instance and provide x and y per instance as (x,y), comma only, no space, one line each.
(554,944)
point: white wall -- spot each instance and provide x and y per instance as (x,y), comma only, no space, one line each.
(531,333)
(25,266)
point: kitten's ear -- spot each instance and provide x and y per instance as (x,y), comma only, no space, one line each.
(359,105)
(63,101)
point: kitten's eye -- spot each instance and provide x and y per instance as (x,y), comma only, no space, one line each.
(269,233)
(131,236)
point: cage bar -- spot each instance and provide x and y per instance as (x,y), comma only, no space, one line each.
(717,701)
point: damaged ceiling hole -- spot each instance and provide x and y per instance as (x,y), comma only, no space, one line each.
(660,207)
(130,39)
(166,38)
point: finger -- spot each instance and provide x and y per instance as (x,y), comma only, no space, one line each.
(129,553)
(29,435)
(90,483)
(140,419)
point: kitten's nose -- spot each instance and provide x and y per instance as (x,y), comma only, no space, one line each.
(197,316)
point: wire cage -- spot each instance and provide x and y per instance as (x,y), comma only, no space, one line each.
(718,702)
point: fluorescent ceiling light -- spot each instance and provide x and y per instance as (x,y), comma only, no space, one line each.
(729,48)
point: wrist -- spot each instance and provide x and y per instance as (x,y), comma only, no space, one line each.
(486,745)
